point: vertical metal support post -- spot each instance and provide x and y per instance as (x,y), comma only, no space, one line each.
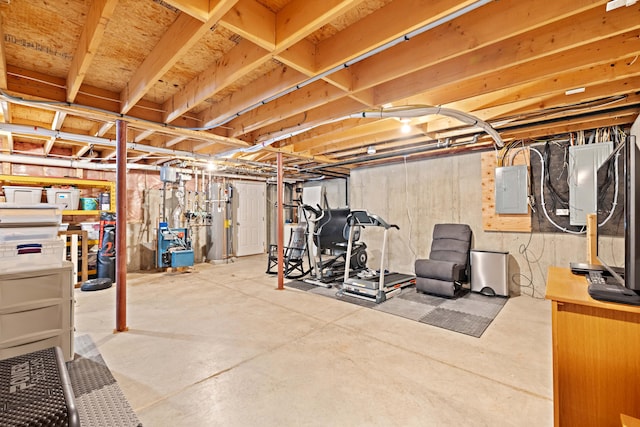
(121,226)
(280,229)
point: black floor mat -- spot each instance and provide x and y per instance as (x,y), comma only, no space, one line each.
(469,314)
(99,399)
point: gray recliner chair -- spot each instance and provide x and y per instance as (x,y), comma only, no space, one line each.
(448,264)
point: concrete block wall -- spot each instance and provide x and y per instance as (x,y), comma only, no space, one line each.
(417,195)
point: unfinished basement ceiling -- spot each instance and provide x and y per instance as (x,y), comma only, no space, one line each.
(236,81)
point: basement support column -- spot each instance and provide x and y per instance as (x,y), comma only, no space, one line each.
(280,229)
(121,226)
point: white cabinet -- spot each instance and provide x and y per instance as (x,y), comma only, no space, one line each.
(36,311)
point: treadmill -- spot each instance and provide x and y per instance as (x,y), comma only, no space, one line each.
(378,286)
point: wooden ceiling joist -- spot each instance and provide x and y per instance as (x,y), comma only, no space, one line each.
(258,78)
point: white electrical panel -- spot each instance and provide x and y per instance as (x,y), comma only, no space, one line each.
(584,161)
(511,190)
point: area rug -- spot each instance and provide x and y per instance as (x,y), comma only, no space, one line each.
(99,399)
(469,314)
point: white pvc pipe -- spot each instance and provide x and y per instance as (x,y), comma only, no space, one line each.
(426,111)
(81,164)
(88,139)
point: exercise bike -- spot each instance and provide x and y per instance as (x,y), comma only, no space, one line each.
(328,236)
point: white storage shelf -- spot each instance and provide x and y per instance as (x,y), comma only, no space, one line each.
(36,311)
(27,255)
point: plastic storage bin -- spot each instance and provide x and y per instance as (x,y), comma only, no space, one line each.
(30,255)
(22,195)
(88,203)
(36,311)
(14,215)
(67,198)
(20,234)
(92,229)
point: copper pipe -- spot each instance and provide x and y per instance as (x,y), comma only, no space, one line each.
(121,226)
(280,232)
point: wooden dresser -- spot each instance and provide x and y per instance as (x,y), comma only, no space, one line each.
(596,355)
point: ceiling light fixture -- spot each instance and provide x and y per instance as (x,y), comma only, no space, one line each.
(371,150)
(574,91)
(405,128)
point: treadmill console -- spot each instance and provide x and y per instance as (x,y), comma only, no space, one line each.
(364,218)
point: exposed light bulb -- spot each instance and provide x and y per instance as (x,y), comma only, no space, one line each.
(371,149)
(405,128)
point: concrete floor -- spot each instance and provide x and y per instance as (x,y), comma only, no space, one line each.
(221,347)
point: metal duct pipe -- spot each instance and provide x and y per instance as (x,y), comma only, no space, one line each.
(79,164)
(372,52)
(409,112)
(87,139)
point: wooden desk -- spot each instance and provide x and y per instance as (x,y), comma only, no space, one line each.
(596,355)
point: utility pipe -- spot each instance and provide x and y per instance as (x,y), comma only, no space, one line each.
(408,36)
(121,228)
(421,111)
(80,164)
(280,229)
(88,139)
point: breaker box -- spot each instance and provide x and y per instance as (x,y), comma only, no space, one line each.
(584,161)
(511,190)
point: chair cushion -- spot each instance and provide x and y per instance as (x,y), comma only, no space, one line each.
(451,242)
(434,286)
(441,270)
(452,231)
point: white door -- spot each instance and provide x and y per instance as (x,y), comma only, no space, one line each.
(250,223)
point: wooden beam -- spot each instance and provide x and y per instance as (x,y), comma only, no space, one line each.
(315,121)
(33,85)
(82,150)
(253,22)
(244,57)
(100,12)
(5,110)
(301,17)
(390,22)
(143,135)
(7,142)
(56,124)
(174,44)
(108,154)
(138,158)
(174,141)
(505,45)
(198,9)
(262,88)
(313,95)
(475,78)
(295,21)
(104,128)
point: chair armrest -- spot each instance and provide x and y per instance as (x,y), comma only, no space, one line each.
(441,270)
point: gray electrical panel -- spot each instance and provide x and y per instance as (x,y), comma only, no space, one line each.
(168,174)
(584,161)
(511,190)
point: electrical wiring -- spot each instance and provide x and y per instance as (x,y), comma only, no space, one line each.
(406,195)
(542,201)
(524,250)
(602,191)
(556,198)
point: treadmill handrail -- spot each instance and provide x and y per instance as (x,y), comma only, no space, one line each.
(375,220)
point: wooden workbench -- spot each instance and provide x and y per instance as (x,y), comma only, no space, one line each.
(596,355)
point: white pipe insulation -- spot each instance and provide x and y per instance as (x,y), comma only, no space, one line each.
(83,164)
(410,112)
(88,139)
